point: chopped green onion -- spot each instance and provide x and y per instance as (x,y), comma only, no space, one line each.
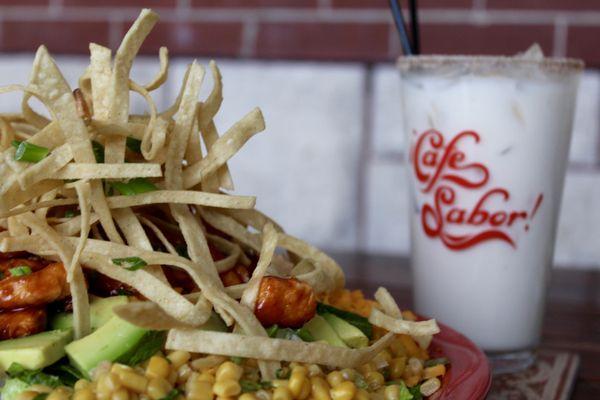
(98,150)
(272,330)
(172,395)
(130,263)
(21,270)
(251,386)
(283,373)
(305,335)
(134,144)
(237,360)
(70,213)
(134,186)
(436,361)
(29,152)
(41,396)
(415,391)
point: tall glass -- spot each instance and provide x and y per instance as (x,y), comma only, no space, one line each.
(488,141)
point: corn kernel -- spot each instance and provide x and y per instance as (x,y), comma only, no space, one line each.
(133,381)
(299,384)
(229,371)
(227,387)
(120,394)
(158,388)
(199,390)
(391,392)
(334,378)
(178,358)
(362,394)
(344,391)
(375,380)
(320,388)
(247,396)
(282,393)
(430,386)
(435,371)
(84,394)
(397,367)
(158,367)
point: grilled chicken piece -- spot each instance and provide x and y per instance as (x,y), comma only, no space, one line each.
(286,302)
(44,285)
(8,263)
(235,276)
(21,323)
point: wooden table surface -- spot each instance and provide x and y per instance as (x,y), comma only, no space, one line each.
(572,320)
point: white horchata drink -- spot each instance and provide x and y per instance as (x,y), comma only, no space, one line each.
(489,140)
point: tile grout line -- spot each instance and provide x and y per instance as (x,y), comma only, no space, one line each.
(363,158)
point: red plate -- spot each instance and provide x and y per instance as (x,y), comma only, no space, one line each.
(469,376)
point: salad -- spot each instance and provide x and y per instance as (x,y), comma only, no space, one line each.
(130,272)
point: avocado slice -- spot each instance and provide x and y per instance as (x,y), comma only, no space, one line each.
(35,351)
(12,388)
(321,330)
(100,313)
(109,342)
(120,341)
(350,334)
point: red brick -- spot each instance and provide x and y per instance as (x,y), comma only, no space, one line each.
(582,43)
(121,3)
(59,37)
(23,2)
(385,3)
(484,39)
(254,3)
(195,39)
(325,41)
(545,4)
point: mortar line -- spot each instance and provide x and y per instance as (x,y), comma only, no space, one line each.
(364,157)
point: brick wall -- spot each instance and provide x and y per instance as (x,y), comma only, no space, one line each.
(358,30)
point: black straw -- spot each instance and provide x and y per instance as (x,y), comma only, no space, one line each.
(401,26)
(414,26)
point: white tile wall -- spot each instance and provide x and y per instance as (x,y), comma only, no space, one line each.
(305,167)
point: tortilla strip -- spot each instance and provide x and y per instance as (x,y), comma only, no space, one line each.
(265,348)
(387,302)
(77,285)
(83,196)
(225,147)
(266,256)
(129,129)
(400,326)
(73,225)
(163,73)
(181,197)
(17,196)
(108,171)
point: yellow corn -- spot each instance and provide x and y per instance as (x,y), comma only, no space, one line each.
(386,355)
(158,388)
(205,376)
(334,378)
(344,391)
(178,358)
(414,366)
(118,368)
(375,380)
(84,394)
(349,374)
(320,388)
(133,381)
(430,386)
(362,394)
(435,371)
(184,373)
(199,390)
(366,368)
(282,393)
(299,369)
(299,384)
(409,315)
(229,371)
(412,349)
(107,384)
(60,393)
(81,384)
(391,392)
(28,395)
(314,370)
(412,380)
(398,348)
(158,367)
(227,388)
(280,383)
(40,388)
(120,394)
(397,366)
(247,396)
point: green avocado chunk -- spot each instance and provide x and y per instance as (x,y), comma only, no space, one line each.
(322,331)
(108,343)
(100,313)
(35,351)
(12,388)
(350,334)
